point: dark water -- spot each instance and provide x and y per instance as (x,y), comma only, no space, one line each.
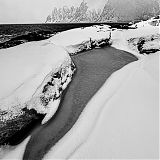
(15,34)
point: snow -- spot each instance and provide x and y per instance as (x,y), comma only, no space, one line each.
(75,40)
(21,66)
(125,39)
(121,120)
(25,70)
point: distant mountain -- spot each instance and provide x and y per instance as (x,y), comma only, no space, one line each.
(113,10)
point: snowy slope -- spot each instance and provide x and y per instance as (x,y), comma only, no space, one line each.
(26,71)
(121,120)
(79,39)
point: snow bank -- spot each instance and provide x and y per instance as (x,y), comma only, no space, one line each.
(151,22)
(145,37)
(121,120)
(33,75)
(79,39)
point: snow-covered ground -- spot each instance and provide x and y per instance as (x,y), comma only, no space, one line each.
(120,121)
(79,39)
(150,22)
(31,75)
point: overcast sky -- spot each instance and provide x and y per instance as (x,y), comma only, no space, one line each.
(35,11)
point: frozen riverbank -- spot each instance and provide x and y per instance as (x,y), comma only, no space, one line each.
(121,120)
(133,75)
(93,68)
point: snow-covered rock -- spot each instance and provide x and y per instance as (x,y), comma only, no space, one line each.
(33,76)
(79,39)
(133,40)
(151,22)
(120,121)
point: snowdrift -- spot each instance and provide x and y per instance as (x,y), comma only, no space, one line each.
(121,120)
(33,76)
(80,39)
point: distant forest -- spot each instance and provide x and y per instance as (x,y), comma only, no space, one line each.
(113,10)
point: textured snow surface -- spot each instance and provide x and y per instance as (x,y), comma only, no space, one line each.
(121,120)
(74,40)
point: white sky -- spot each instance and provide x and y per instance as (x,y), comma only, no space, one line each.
(35,11)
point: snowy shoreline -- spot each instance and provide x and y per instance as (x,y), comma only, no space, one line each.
(140,73)
(41,83)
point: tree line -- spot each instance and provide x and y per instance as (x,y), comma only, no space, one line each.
(112,11)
